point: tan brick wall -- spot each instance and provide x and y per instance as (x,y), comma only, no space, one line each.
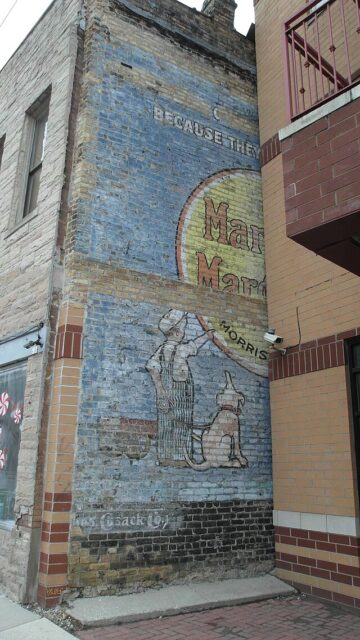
(269,18)
(311,444)
(61,441)
(308,298)
(313,467)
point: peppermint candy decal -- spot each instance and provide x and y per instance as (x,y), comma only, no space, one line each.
(4,403)
(17,416)
(2,458)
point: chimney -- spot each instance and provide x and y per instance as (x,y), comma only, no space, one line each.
(222,11)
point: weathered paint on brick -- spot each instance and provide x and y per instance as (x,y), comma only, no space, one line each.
(172,475)
(149,485)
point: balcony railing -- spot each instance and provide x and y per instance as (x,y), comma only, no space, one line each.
(322,51)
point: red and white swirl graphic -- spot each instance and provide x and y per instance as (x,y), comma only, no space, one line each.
(17,416)
(4,403)
(2,458)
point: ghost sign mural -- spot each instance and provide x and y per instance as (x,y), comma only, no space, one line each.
(220,244)
(171,374)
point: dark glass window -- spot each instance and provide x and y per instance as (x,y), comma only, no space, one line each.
(354,369)
(2,143)
(36,159)
(12,388)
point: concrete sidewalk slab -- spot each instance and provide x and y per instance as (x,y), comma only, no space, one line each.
(17,623)
(13,615)
(167,601)
(41,629)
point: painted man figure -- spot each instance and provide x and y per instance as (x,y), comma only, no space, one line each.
(174,386)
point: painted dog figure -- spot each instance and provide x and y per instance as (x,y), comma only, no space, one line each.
(220,440)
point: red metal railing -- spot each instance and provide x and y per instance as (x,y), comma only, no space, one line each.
(322,53)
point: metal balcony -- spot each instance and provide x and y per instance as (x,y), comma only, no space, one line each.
(322,53)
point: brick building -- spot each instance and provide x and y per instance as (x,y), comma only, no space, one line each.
(133,364)
(309,113)
(31,256)
(135,444)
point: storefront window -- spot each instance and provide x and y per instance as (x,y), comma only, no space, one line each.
(354,370)
(12,388)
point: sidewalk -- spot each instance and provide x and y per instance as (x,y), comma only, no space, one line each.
(17,623)
(284,618)
(292,618)
(171,600)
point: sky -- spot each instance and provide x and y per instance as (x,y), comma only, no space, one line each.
(17,17)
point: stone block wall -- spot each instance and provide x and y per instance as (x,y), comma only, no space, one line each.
(28,259)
